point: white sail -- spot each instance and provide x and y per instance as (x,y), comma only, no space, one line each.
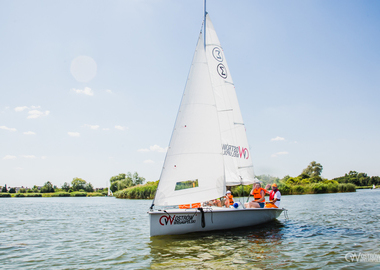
(194,152)
(236,153)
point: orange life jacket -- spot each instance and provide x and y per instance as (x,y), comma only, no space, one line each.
(230,198)
(270,205)
(187,206)
(257,193)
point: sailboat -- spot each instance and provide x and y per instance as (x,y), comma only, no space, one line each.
(208,151)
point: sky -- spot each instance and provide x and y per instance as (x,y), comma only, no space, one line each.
(91,89)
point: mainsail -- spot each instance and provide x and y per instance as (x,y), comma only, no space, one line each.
(208,149)
(194,152)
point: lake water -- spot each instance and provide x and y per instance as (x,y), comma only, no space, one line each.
(107,233)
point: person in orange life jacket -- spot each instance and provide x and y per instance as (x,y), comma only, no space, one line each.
(229,199)
(259,197)
(275,196)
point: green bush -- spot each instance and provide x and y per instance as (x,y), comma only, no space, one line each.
(94,194)
(298,189)
(78,194)
(33,195)
(332,187)
(317,188)
(60,194)
(346,187)
(285,189)
(146,191)
(19,195)
(5,195)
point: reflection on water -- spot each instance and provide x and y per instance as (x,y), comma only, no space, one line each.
(107,233)
(248,247)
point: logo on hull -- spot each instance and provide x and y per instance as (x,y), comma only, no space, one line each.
(176,220)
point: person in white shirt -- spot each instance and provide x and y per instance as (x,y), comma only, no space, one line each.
(275,196)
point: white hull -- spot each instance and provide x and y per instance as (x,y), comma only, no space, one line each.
(177,221)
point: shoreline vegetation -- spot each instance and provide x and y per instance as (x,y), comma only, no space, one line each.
(78,188)
(308,182)
(130,186)
(55,194)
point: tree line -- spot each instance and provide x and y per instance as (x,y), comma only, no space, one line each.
(77,184)
(122,181)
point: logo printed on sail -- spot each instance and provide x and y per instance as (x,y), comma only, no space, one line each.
(235,151)
(222,71)
(176,220)
(217,53)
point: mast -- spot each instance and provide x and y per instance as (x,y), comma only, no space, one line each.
(204,24)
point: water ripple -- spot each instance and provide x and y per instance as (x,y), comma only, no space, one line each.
(107,233)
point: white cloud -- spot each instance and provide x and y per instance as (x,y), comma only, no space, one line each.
(158,148)
(43,157)
(29,133)
(121,127)
(278,138)
(148,161)
(154,148)
(28,156)
(36,114)
(279,154)
(109,91)
(21,108)
(9,157)
(74,134)
(106,129)
(92,126)
(86,91)
(8,128)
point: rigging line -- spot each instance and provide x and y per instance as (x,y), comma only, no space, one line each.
(226,110)
(250,166)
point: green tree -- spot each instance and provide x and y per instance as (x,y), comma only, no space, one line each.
(4,189)
(47,187)
(12,190)
(123,181)
(137,180)
(66,186)
(119,177)
(35,189)
(313,169)
(22,190)
(88,187)
(78,184)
